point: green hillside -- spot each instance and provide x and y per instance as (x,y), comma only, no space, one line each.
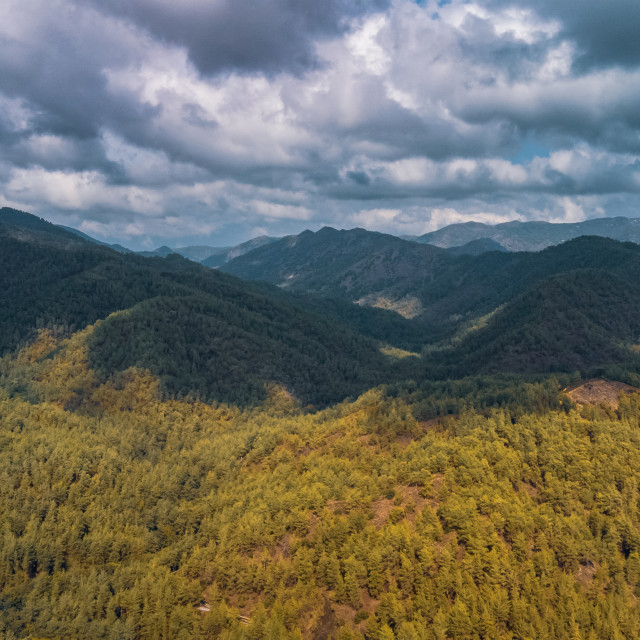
(227,348)
(570,307)
(576,321)
(25,226)
(178,460)
(422,282)
(201,331)
(351,265)
(207,333)
(476,285)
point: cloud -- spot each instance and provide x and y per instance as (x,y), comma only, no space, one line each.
(605,33)
(162,121)
(267,36)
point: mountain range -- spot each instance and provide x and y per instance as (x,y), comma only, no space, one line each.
(198,329)
(186,454)
(417,280)
(571,306)
(469,238)
(532,236)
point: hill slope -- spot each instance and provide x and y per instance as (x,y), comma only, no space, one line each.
(125,516)
(476,247)
(223,256)
(357,265)
(25,226)
(475,285)
(199,330)
(575,321)
(570,307)
(421,281)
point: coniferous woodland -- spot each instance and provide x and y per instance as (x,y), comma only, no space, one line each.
(127,516)
(184,455)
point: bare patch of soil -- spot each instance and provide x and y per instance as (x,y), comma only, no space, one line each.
(326,625)
(408,497)
(429,424)
(445,540)
(413,502)
(437,480)
(369,604)
(365,440)
(408,307)
(584,574)
(534,492)
(381,510)
(345,613)
(282,548)
(597,392)
(314,521)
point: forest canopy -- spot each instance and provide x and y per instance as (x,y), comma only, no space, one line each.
(123,515)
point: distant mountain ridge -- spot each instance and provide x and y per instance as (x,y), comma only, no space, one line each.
(223,256)
(440,286)
(447,293)
(199,253)
(212,257)
(117,247)
(570,307)
(532,236)
(476,247)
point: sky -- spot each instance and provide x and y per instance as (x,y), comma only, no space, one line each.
(150,122)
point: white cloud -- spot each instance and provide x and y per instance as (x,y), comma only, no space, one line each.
(408,121)
(273,210)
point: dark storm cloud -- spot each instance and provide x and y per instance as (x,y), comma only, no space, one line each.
(504,54)
(270,36)
(55,153)
(57,68)
(53,71)
(605,33)
(359,177)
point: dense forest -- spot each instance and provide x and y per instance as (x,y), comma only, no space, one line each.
(131,517)
(184,455)
(202,332)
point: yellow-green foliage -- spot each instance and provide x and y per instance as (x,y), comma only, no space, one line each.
(120,513)
(398,354)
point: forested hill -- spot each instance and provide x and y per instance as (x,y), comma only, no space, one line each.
(201,331)
(476,247)
(488,507)
(356,264)
(421,281)
(571,307)
(476,285)
(583,320)
(224,255)
(25,226)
